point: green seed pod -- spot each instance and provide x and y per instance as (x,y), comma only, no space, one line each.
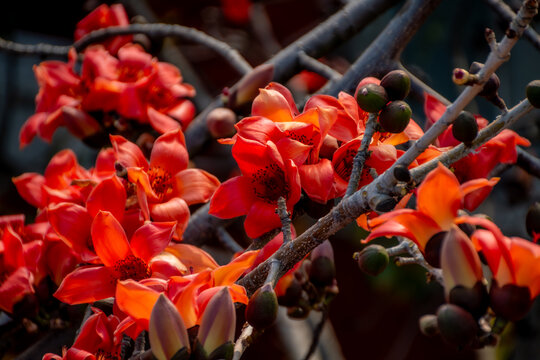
(510,301)
(465,127)
(322,271)
(533,93)
(401,173)
(456,326)
(397,84)
(261,311)
(373,259)
(432,251)
(428,325)
(220,122)
(371,98)
(475,300)
(532,220)
(395,116)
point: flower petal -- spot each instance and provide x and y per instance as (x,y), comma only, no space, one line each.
(151,239)
(175,209)
(128,153)
(232,198)
(170,153)
(195,185)
(86,284)
(109,238)
(109,195)
(136,300)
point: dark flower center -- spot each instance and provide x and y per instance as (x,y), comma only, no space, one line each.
(161,182)
(269,183)
(106,355)
(131,267)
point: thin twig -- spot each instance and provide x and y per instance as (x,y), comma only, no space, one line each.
(506,12)
(285,218)
(417,258)
(244,340)
(140,345)
(362,154)
(314,65)
(317,333)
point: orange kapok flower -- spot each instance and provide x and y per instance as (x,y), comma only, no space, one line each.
(122,259)
(165,186)
(439,198)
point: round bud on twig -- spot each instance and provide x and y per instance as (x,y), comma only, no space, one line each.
(456,326)
(395,116)
(322,271)
(373,259)
(428,325)
(510,301)
(397,84)
(465,127)
(533,93)
(220,122)
(371,98)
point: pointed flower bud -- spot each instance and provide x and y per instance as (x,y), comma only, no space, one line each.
(167,332)
(261,311)
(322,270)
(218,322)
(248,87)
(459,261)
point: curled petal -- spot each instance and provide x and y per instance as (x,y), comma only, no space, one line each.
(109,195)
(151,239)
(175,209)
(170,153)
(86,284)
(195,185)
(136,300)
(232,198)
(109,238)
(128,153)
(273,105)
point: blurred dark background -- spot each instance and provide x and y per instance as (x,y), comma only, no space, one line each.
(373,318)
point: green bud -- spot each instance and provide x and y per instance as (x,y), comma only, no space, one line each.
(428,325)
(395,116)
(397,84)
(456,326)
(533,93)
(465,127)
(373,259)
(371,98)
(261,311)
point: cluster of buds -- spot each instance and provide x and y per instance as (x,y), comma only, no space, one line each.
(313,285)
(386,99)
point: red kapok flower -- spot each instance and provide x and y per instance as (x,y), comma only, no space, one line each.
(122,259)
(266,177)
(165,186)
(101,17)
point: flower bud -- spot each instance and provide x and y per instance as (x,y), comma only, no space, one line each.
(511,302)
(491,87)
(248,87)
(373,259)
(465,127)
(432,250)
(428,325)
(532,220)
(220,122)
(456,326)
(261,310)
(167,332)
(218,322)
(395,116)
(292,295)
(371,98)
(475,300)
(533,93)
(397,84)
(322,271)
